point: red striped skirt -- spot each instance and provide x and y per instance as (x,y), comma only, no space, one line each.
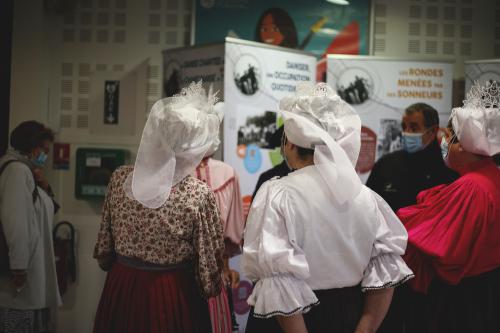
(220,313)
(135,301)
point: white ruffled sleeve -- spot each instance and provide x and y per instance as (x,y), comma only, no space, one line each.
(272,258)
(386,268)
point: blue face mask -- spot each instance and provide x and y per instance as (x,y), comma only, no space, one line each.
(40,159)
(444,149)
(412,142)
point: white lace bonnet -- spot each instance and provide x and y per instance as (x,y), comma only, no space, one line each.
(317,118)
(177,135)
(477,123)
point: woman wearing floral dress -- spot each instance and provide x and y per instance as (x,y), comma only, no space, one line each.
(160,236)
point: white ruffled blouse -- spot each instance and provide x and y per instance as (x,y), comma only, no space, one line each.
(298,240)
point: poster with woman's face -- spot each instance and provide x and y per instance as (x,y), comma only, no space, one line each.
(319,26)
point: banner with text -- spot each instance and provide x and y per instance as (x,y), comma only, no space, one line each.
(380,90)
(184,65)
(255,79)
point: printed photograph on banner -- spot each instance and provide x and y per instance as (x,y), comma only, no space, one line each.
(258,139)
(258,130)
(389,136)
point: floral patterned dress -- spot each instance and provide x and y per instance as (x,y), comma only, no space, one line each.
(186,229)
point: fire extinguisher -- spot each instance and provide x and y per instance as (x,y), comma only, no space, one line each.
(64,251)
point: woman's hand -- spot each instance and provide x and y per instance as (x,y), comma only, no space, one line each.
(231,277)
(41,180)
(106,261)
(18,279)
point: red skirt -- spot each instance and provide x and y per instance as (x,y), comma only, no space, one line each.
(220,313)
(141,301)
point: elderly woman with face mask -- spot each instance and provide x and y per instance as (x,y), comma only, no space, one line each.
(324,250)
(161,236)
(28,283)
(454,230)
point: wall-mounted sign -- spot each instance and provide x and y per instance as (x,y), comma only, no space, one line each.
(61,156)
(111,98)
(93,170)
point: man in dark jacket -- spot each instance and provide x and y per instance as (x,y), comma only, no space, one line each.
(399,176)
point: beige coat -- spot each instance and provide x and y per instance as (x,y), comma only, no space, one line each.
(28,231)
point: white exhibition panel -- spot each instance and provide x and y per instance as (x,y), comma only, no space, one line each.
(265,75)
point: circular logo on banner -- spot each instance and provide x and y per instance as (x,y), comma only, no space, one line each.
(240,296)
(253,158)
(355,85)
(246,74)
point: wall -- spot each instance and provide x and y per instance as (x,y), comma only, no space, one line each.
(6,14)
(452,30)
(61,46)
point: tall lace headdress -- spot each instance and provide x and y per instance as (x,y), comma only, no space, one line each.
(316,117)
(177,135)
(477,123)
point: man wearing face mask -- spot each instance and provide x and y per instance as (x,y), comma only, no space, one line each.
(28,282)
(399,176)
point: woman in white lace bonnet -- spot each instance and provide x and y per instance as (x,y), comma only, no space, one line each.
(324,250)
(161,237)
